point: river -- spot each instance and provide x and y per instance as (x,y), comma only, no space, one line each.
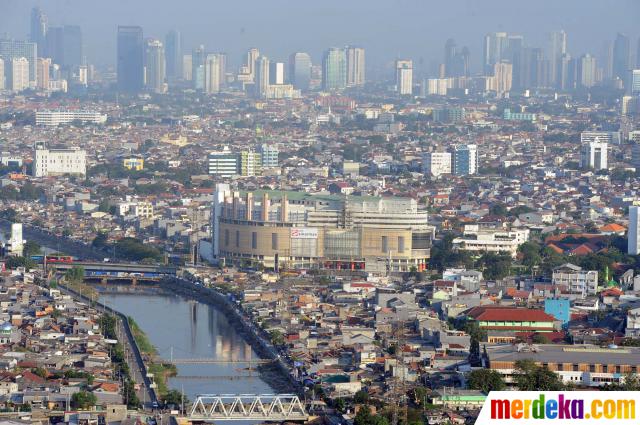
(195,331)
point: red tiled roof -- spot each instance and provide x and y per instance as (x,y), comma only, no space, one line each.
(506,314)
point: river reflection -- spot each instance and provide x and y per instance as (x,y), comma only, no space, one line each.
(190,330)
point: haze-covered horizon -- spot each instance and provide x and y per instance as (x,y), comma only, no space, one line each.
(415,29)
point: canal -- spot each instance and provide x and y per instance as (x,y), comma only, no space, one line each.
(190,330)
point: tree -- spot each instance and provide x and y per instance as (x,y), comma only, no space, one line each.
(364,417)
(530,254)
(75,274)
(174,397)
(498,209)
(100,241)
(83,400)
(15,262)
(31,248)
(531,377)
(486,380)
(361,397)
(276,337)
(495,266)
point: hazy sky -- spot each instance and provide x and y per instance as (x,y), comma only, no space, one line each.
(386,28)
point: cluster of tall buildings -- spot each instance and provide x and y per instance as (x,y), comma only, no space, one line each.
(226,163)
(51,57)
(458,160)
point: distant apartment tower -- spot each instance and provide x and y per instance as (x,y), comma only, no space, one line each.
(173,53)
(300,70)
(404,77)
(633,236)
(464,160)
(436,163)
(593,155)
(213,77)
(223,163)
(269,155)
(276,72)
(503,75)
(587,71)
(355,66)
(334,69)
(187,67)
(55,162)
(10,49)
(130,59)
(42,70)
(250,163)
(198,72)
(558,49)
(496,46)
(261,85)
(155,66)
(635,81)
(2,73)
(621,52)
(18,74)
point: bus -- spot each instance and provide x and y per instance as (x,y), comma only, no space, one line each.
(59,258)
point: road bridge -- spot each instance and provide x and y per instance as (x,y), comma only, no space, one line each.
(118,271)
(243,407)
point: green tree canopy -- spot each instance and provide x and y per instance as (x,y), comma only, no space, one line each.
(486,380)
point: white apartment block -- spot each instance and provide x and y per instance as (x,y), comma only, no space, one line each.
(577,280)
(54,118)
(55,162)
(436,163)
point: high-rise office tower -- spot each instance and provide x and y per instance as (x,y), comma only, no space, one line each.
(187,68)
(250,62)
(55,44)
(173,54)
(621,57)
(586,71)
(18,74)
(450,52)
(566,73)
(130,59)
(212,74)
(198,59)
(38,33)
(355,66)
(464,160)
(10,49)
(334,69)
(633,240)
(593,155)
(43,67)
(300,70)
(638,54)
(464,58)
(2,74)
(155,66)
(261,85)
(495,47)
(404,77)
(503,74)
(222,64)
(557,49)
(64,46)
(635,82)
(276,73)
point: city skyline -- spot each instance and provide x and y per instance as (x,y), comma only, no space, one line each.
(389,32)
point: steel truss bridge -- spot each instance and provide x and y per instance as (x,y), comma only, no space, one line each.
(242,407)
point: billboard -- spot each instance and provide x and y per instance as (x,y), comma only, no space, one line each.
(304,233)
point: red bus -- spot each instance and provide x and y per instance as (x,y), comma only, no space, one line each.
(59,259)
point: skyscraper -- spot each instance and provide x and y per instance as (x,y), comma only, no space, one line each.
(18,74)
(621,57)
(10,49)
(261,85)
(198,59)
(638,54)
(355,66)
(155,66)
(173,53)
(503,74)
(558,48)
(2,73)
(38,33)
(334,69)
(130,59)
(213,74)
(635,82)
(42,70)
(187,68)
(586,72)
(300,70)
(593,155)
(276,73)
(404,77)
(495,47)
(252,57)
(72,46)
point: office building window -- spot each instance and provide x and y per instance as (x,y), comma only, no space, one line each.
(385,244)
(400,244)
(274,241)
(254,240)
